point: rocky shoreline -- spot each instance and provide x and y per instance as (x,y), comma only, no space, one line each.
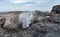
(48,26)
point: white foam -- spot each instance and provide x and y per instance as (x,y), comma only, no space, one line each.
(26,18)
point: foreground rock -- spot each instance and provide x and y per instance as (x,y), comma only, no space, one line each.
(48,25)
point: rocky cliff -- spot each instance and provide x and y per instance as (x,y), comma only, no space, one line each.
(47,25)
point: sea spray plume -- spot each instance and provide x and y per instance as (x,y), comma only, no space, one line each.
(26,18)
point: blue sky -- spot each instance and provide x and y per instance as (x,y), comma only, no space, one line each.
(27,5)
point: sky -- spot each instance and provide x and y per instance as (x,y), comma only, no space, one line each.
(27,5)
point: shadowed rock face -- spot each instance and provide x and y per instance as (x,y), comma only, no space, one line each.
(56,9)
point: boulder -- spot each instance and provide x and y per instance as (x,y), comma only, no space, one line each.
(56,9)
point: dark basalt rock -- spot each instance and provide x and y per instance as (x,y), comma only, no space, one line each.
(56,9)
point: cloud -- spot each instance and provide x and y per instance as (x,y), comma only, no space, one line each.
(18,1)
(28,5)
